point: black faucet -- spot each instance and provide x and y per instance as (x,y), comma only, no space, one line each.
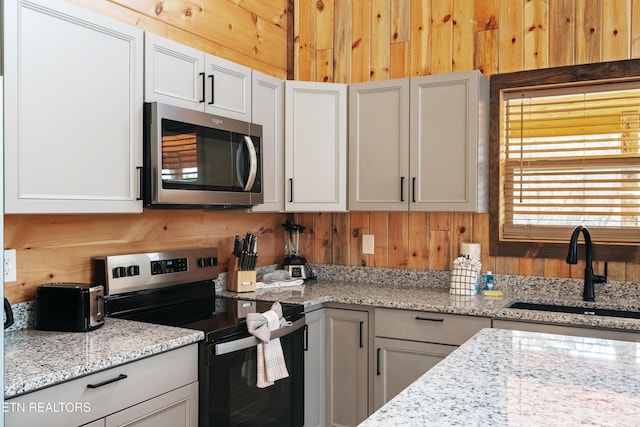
(589,293)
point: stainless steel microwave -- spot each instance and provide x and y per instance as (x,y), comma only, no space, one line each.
(194,159)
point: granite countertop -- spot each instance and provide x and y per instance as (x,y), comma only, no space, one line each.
(37,359)
(503,378)
(432,296)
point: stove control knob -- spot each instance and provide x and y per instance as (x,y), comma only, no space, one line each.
(119,272)
(133,270)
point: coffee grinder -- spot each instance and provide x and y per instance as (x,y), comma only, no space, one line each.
(294,262)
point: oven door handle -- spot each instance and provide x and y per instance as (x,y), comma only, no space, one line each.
(244,343)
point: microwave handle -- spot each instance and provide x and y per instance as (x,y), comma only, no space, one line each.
(253,163)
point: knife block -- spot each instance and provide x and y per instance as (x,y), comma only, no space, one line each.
(240,280)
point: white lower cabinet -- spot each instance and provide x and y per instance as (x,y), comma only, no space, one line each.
(159,391)
(347,366)
(409,343)
(314,369)
(566,330)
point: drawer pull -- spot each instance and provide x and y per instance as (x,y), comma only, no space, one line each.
(427,319)
(378,372)
(112,380)
(361,325)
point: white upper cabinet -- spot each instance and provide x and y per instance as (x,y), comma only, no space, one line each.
(420,144)
(379,145)
(180,75)
(449,142)
(73,110)
(315,146)
(268,111)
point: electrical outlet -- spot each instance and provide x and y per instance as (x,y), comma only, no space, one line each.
(9,265)
(367,244)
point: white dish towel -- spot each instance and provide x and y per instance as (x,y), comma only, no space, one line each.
(270,359)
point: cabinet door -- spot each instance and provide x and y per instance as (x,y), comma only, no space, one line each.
(177,408)
(73,110)
(268,111)
(173,73)
(379,145)
(314,370)
(227,88)
(399,363)
(347,370)
(449,142)
(315,146)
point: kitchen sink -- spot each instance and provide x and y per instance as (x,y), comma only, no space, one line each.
(577,310)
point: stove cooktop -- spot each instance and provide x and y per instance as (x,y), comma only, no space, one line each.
(176,288)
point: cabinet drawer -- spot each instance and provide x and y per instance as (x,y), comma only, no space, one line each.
(427,326)
(84,399)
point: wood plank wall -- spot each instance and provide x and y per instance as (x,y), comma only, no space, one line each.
(351,41)
(341,41)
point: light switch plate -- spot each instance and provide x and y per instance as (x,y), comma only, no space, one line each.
(368,244)
(9,265)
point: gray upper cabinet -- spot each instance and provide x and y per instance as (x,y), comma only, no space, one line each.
(268,111)
(180,75)
(420,144)
(379,145)
(315,140)
(449,142)
(73,110)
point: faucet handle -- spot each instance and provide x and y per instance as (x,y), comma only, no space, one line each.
(601,279)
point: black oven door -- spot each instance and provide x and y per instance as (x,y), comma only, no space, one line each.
(229,396)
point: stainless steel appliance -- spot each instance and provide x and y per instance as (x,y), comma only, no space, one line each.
(194,159)
(177,288)
(71,307)
(294,262)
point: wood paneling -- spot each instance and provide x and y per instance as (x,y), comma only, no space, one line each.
(417,37)
(344,41)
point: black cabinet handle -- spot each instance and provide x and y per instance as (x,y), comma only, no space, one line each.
(378,361)
(427,319)
(213,89)
(203,84)
(112,380)
(413,190)
(361,342)
(306,338)
(402,188)
(141,176)
(290,190)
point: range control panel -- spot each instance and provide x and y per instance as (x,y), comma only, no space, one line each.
(132,272)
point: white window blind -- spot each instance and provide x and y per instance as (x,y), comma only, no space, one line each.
(570,156)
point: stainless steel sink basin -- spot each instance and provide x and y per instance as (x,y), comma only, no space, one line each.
(576,310)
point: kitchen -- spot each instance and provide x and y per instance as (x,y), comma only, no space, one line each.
(384,43)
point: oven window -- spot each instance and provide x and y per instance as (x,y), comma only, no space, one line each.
(231,397)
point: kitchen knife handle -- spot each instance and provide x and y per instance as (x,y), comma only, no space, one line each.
(202,76)
(402,188)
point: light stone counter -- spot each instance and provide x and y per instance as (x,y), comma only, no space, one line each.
(36,359)
(514,378)
(429,291)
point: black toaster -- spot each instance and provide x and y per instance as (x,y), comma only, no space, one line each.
(69,307)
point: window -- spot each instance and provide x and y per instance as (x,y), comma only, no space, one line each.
(566,152)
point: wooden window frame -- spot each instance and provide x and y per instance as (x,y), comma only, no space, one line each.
(603,71)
